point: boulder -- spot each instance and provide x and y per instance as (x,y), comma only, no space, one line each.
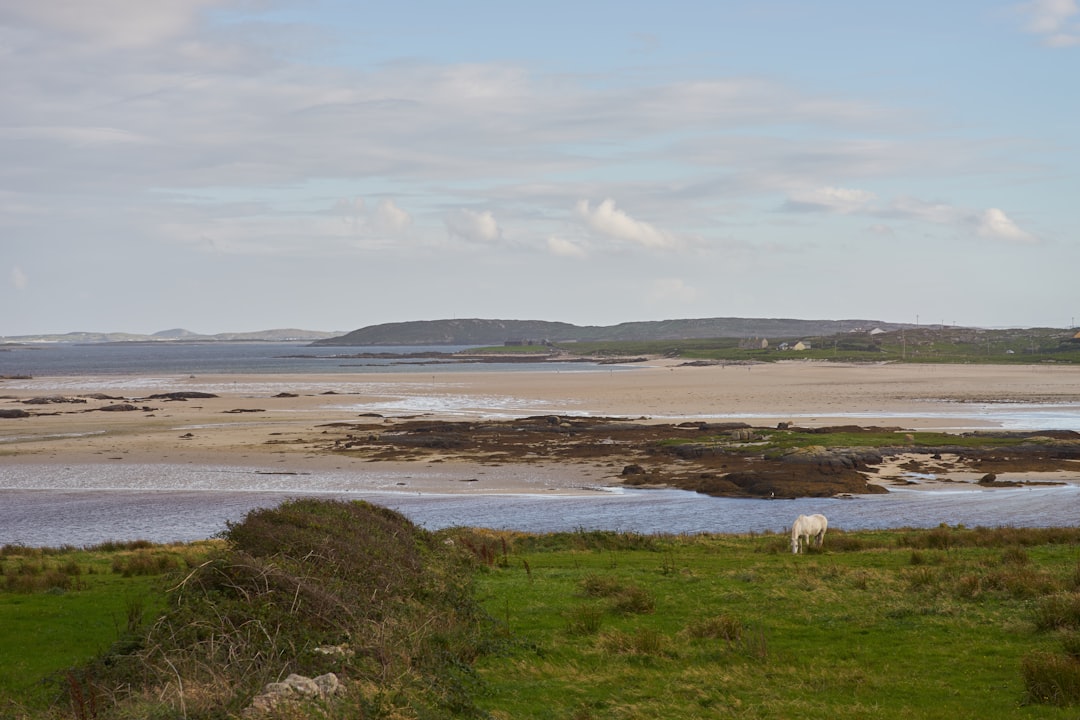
(294,690)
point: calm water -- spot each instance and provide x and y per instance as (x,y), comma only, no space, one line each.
(83,505)
(232,357)
(91,504)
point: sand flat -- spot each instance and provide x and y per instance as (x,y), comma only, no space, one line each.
(274,421)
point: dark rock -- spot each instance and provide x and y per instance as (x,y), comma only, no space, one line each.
(118,407)
(724,426)
(183,395)
(633,470)
(51,399)
(13,413)
(788,483)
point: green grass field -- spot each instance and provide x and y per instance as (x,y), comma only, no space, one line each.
(898,625)
(945,623)
(928,344)
(62,607)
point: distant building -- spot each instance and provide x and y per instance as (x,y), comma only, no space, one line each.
(754,344)
(801,346)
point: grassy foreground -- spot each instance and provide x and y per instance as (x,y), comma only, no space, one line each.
(943,623)
(948,623)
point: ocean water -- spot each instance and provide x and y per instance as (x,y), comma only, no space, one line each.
(85,505)
(60,359)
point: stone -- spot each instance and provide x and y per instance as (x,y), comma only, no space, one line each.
(294,689)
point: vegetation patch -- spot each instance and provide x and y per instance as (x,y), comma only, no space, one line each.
(308,588)
(941,623)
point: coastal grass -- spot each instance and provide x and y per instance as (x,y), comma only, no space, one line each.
(770,440)
(310,587)
(927,344)
(62,606)
(949,622)
(945,623)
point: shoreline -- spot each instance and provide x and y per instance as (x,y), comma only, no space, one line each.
(276,422)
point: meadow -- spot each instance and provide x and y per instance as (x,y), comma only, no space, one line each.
(951,622)
(946,623)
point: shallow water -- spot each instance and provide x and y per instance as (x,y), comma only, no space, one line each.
(81,505)
(42,506)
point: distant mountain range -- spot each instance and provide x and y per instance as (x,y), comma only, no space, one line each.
(176,335)
(498,332)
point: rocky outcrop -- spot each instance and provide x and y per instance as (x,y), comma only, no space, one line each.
(183,395)
(834,458)
(118,407)
(790,482)
(52,400)
(13,413)
(295,690)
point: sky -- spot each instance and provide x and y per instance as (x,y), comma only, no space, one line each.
(240,165)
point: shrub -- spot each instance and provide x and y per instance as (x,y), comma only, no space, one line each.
(644,642)
(1051,679)
(717,627)
(1058,611)
(584,620)
(307,574)
(1015,555)
(633,600)
(594,585)
(144,562)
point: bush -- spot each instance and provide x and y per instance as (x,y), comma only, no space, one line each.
(594,585)
(1058,611)
(633,600)
(1052,679)
(307,575)
(584,620)
(644,642)
(718,627)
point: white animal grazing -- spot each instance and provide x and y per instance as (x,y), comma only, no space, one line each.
(807,529)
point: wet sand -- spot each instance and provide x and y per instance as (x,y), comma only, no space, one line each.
(275,421)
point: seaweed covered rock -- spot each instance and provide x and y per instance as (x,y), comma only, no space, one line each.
(787,482)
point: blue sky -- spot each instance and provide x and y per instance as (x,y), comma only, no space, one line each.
(229,166)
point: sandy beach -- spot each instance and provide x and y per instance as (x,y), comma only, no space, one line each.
(275,421)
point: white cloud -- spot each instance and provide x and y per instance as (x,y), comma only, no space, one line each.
(473,226)
(843,201)
(19,280)
(992,223)
(996,225)
(389,218)
(673,289)
(606,219)
(934,212)
(110,23)
(1055,21)
(565,248)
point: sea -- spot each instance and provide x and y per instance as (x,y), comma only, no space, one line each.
(84,505)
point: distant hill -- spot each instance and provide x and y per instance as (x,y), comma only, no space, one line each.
(497,332)
(176,335)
